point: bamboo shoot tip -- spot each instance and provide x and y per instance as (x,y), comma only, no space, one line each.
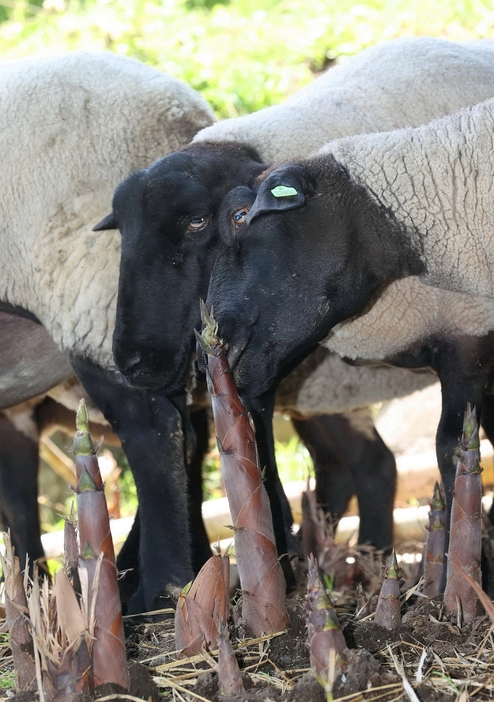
(82,417)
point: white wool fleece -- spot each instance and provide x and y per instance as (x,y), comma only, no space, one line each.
(405,82)
(75,125)
(438,181)
(407,311)
(325,384)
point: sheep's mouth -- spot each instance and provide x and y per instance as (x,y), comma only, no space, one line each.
(235,352)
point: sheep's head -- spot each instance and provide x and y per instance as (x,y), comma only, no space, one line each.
(167,216)
(293,266)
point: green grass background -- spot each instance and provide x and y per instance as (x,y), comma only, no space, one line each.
(242,55)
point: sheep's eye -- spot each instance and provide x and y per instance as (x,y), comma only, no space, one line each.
(197,223)
(240,216)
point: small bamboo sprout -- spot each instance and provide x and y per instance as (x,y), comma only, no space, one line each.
(229,676)
(466,534)
(203,607)
(388,604)
(20,638)
(98,574)
(364,606)
(434,544)
(318,539)
(73,677)
(328,651)
(261,576)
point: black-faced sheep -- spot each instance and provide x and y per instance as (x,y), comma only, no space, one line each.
(177,222)
(77,124)
(320,239)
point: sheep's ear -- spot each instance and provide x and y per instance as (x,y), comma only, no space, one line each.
(108,222)
(284,189)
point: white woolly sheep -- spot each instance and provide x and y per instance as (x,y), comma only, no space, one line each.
(363,212)
(436,181)
(407,311)
(77,124)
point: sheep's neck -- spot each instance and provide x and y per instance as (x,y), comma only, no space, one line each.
(436,182)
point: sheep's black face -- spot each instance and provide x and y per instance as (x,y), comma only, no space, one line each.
(167,215)
(292,269)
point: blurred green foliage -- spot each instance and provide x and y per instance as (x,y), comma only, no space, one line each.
(7,680)
(242,55)
(293,459)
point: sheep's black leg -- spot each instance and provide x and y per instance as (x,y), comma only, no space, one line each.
(465,367)
(150,427)
(262,410)
(128,558)
(351,458)
(334,482)
(19,491)
(463,380)
(201,549)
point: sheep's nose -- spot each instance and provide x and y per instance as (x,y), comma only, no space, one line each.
(129,362)
(133,360)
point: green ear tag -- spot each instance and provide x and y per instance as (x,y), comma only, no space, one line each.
(283,191)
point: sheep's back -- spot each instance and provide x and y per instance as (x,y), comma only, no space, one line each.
(403,82)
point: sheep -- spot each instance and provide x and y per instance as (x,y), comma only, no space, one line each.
(335,401)
(378,220)
(188,185)
(402,82)
(75,328)
(77,124)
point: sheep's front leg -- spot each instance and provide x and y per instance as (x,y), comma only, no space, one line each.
(201,549)
(19,491)
(128,558)
(151,429)
(465,366)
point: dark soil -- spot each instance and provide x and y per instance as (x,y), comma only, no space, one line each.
(428,656)
(438,658)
